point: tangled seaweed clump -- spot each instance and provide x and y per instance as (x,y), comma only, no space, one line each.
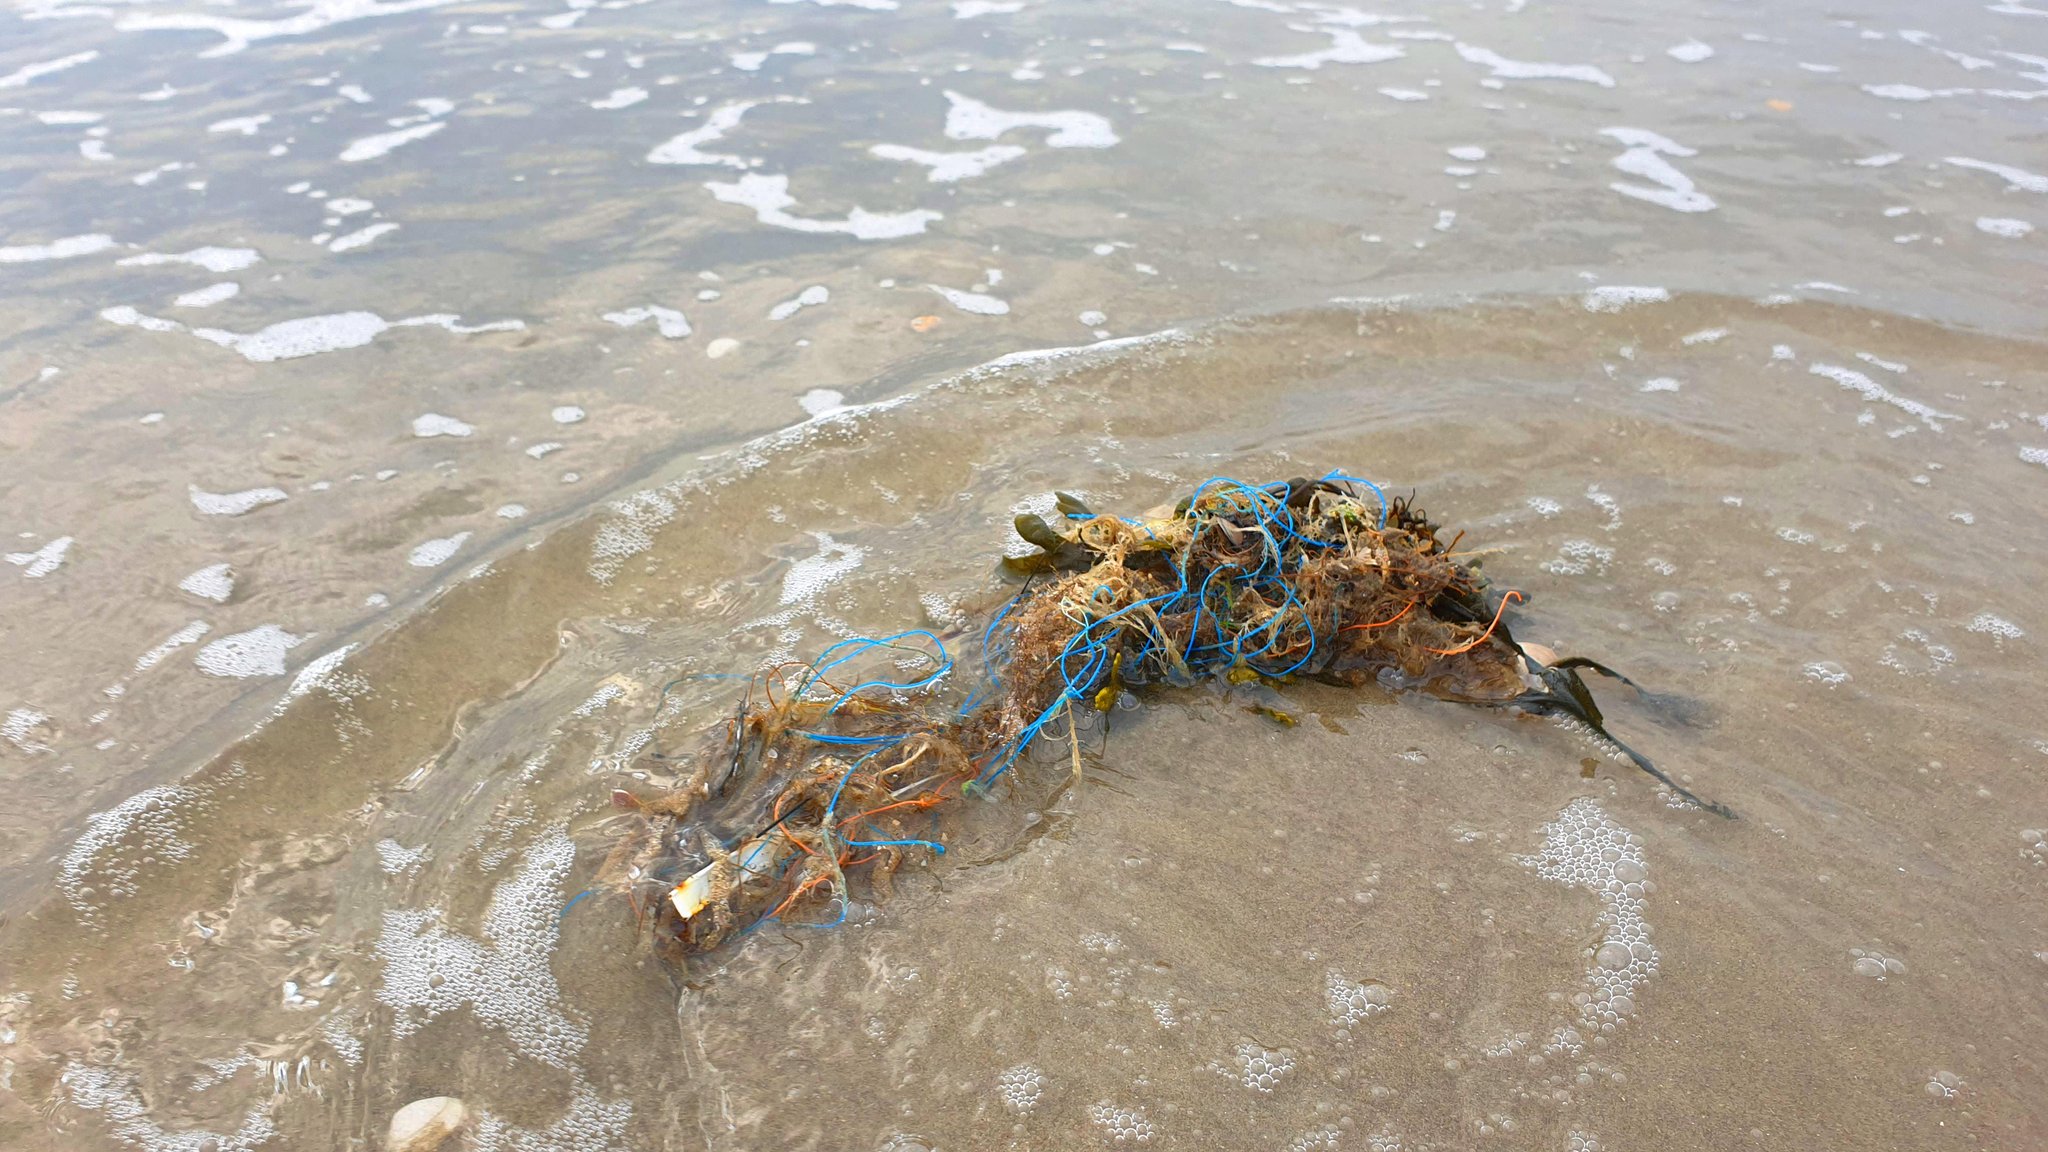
(825,783)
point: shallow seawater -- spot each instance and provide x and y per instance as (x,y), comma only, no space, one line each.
(396,397)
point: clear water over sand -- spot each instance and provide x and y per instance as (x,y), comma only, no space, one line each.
(393,397)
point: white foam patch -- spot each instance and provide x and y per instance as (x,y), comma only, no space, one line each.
(306,336)
(1579,558)
(590,1123)
(1585,848)
(2017,177)
(436,552)
(1506,69)
(216,260)
(208,296)
(687,148)
(237,33)
(67,117)
(1914,93)
(511,511)
(1704,336)
(1876,393)
(752,61)
(19,729)
(822,402)
(869,5)
(189,634)
(667,321)
(1879,160)
(361,236)
(949,167)
(1645,158)
(233,503)
(810,297)
(599,700)
(769,197)
(240,125)
(1987,624)
(43,561)
(2004,226)
(567,414)
(309,335)
(1346,47)
(1927,40)
(1037,356)
(1659,384)
(68,248)
(128,317)
(628,532)
(1690,52)
(319,674)
(257,652)
(808,578)
(620,98)
(1614,298)
(970,119)
(21,76)
(395,859)
(434,424)
(974,302)
(382,144)
(119,1101)
(151,822)
(215,582)
(973,9)
(1405,95)
(504,976)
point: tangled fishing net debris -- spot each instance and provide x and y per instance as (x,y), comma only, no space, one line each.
(833,774)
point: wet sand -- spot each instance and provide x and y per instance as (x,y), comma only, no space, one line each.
(347,563)
(404,818)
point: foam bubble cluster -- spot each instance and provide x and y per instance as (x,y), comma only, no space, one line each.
(1988,624)
(1122,1125)
(505,978)
(1021,1089)
(1324,1139)
(628,533)
(257,652)
(1350,1002)
(1579,558)
(1256,1067)
(1874,964)
(1585,848)
(120,1103)
(146,827)
(1060,983)
(591,1124)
